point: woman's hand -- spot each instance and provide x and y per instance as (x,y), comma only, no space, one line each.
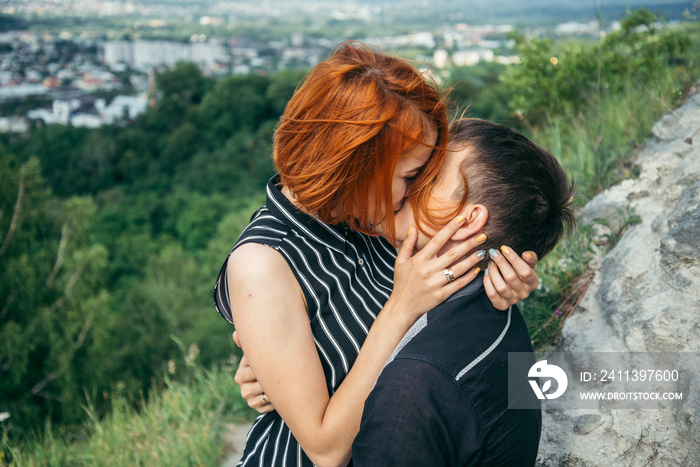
(422,281)
(510,278)
(251,390)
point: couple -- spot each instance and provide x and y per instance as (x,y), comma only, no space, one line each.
(320,301)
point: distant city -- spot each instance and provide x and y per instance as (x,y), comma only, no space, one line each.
(72,72)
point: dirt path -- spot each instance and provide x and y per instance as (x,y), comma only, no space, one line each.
(235,440)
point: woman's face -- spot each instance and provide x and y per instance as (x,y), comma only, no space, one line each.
(408,167)
(442,197)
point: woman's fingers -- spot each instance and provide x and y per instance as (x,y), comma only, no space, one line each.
(518,275)
(498,301)
(420,280)
(236,339)
(512,279)
(524,269)
(440,238)
(251,390)
(461,282)
(454,257)
(530,257)
(500,284)
(406,250)
(465,264)
(505,274)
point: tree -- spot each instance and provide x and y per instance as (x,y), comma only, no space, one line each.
(552,78)
(179,92)
(51,295)
(237,103)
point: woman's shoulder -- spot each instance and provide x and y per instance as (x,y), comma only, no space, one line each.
(264,228)
(253,253)
(255,267)
(256,255)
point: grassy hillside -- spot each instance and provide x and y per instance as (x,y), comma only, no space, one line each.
(110,349)
(184,423)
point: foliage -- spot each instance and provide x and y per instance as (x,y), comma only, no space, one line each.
(52,292)
(566,274)
(593,103)
(105,241)
(553,78)
(477,92)
(110,239)
(184,423)
(564,279)
(613,234)
(592,116)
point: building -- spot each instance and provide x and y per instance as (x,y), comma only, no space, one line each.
(91,113)
(142,54)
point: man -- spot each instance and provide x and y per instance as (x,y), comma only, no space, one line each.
(442,398)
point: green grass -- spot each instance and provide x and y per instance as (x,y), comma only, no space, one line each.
(595,145)
(565,275)
(184,421)
(183,424)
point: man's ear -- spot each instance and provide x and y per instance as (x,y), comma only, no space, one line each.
(476,216)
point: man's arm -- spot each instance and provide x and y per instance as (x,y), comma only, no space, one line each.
(417,415)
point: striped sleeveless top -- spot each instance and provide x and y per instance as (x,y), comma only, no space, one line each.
(346,278)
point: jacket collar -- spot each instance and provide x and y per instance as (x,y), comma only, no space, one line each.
(471,288)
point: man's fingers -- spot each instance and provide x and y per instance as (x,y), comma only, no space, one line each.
(260,403)
(251,392)
(244,373)
(265,408)
(250,387)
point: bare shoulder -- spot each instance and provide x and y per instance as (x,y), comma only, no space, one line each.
(253,267)
(252,259)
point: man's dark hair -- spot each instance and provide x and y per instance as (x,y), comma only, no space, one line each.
(525,189)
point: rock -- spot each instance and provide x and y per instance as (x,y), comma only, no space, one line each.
(587,423)
(644,298)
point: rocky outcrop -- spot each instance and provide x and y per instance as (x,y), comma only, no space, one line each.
(644,298)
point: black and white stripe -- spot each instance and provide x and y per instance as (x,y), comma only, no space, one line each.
(346,278)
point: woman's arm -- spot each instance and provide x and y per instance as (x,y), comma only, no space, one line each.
(274,332)
(510,281)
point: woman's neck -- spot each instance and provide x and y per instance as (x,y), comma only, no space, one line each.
(293,199)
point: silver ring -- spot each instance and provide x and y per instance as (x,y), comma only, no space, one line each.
(449,275)
(265,399)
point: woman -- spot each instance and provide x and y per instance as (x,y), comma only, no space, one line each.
(308,284)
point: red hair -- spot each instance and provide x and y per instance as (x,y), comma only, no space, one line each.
(342,133)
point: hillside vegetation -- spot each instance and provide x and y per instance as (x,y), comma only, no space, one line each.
(111,351)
